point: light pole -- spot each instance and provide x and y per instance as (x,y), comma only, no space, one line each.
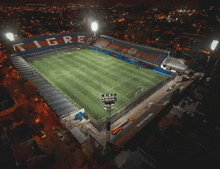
(94,27)
(212,59)
(213,47)
(109,101)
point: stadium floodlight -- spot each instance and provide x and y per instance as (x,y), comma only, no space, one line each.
(94,26)
(109,102)
(214,44)
(10,36)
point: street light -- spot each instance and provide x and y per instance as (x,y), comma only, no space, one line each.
(214,44)
(109,102)
(10,36)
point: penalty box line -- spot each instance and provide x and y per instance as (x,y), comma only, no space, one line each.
(133,91)
(118,84)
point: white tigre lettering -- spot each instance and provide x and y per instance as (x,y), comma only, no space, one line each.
(81,39)
(19,45)
(67,39)
(37,44)
(51,44)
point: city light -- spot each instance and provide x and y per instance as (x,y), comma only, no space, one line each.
(214,44)
(10,36)
(94,26)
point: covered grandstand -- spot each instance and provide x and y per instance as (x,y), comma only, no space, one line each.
(149,55)
(30,46)
(58,103)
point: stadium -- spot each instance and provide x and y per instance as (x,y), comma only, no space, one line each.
(72,71)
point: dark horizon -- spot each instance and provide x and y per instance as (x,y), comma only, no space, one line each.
(107,1)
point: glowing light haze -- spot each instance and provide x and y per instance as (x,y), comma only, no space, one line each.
(214,44)
(10,36)
(94,26)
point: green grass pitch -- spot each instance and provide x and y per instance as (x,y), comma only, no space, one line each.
(84,75)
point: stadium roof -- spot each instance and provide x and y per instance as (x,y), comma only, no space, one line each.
(177,64)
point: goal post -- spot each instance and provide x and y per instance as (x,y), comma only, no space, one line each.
(140,91)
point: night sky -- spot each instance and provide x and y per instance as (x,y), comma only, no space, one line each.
(104,1)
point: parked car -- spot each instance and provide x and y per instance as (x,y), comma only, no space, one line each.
(61,136)
(55,129)
(43,135)
(150,104)
(170,88)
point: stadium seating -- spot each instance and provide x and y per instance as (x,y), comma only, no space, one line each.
(31,48)
(146,54)
(59,104)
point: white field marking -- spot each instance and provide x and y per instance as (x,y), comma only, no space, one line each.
(95,94)
(62,92)
(120,84)
(96,71)
(126,98)
(132,91)
(139,91)
(110,58)
(57,58)
(80,68)
(99,66)
(146,79)
(123,96)
(46,61)
(86,73)
(100,97)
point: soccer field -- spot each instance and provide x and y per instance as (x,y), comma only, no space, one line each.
(84,75)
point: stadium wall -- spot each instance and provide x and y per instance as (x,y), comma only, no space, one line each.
(42,43)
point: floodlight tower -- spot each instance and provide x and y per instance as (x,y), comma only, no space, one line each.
(213,48)
(10,36)
(214,44)
(213,59)
(94,27)
(109,101)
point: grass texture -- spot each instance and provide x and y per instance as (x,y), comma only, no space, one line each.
(84,75)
